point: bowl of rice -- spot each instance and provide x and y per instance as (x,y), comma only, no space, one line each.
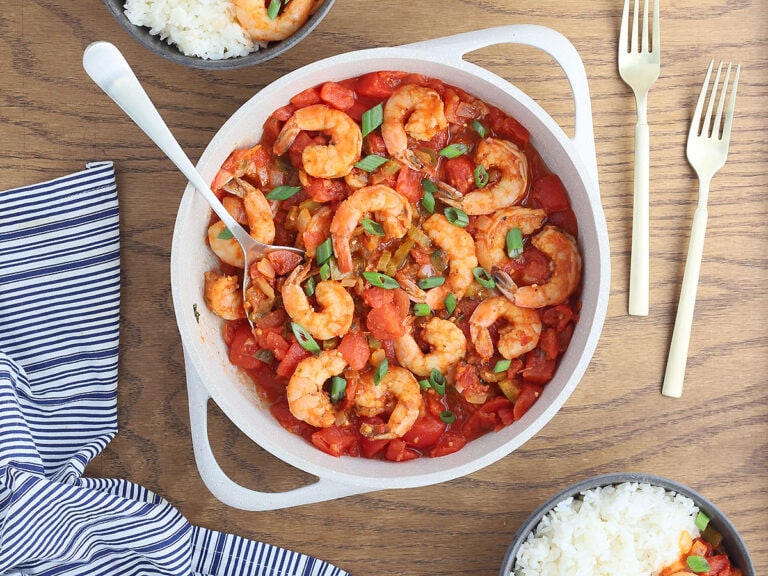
(207,34)
(631,524)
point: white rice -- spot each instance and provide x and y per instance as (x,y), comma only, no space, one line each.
(204,28)
(630,529)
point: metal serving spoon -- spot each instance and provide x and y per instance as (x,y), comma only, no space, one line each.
(107,67)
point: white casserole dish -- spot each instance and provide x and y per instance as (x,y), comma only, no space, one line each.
(210,374)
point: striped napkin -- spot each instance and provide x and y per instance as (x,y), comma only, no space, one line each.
(59,323)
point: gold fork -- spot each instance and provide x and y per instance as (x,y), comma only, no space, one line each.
(639,67)
(707,151)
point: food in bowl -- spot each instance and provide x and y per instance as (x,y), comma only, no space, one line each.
(442,276)
(220,29)
(632,528)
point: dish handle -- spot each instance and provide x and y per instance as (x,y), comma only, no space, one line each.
(226,489)
(540,37)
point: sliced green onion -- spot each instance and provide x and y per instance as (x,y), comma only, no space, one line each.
(324,251)
(437,381)
(274,8)
(481,176)
(372,119)
(697,563)
(450,303)
(428,186)
(702,520)
(381,280)
(282,192)
(372,227)
(338,388)
(325,271)
(424,384)
(304,338)
(309,286)
(430,282)
(479,128)
(502,366)
(421,309)
(428,201)
(371,162)
(380,372)
(514,242)
(447,416)
(483,277)
(454,150)
(456,217)
(225,234)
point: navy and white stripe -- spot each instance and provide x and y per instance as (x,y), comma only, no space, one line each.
(59,323)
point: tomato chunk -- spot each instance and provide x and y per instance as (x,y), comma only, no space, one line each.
(529,393)
(538,368)
(398,451)
(425,432)
(337,440)
(379,84)
(548,343)
(283,261)
(385,322)
(326,190)
(409,184)
(459,173)
(306,98)
(376,297)
(354,348)
(338,96)
(448,443)
(293,356)
(549,194)
(243,348)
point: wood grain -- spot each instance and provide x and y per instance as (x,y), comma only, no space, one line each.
(715,438)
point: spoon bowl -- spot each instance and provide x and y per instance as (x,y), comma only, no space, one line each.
(107,67)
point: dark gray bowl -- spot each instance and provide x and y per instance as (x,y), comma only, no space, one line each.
(170,52)
(732,541)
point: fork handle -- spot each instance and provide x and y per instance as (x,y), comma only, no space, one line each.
(681,335)
(639,262)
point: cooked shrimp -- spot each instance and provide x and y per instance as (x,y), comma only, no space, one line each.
(307,400)
(337,158)
(492,232)
(261,224)
(519,336)
(253,17)
(319,226)
(414,111)
(224,245)
(564,266)
(448,343)
(338,308)
(223,295)
(459,246)
(388,206)
(398,393)
(512,185)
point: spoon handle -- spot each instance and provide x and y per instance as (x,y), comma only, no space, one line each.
(107,67)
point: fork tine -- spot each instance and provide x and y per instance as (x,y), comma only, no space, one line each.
(709,128)
(721,102)
(731,107)
(656,46)
(634,25)
(696,121)
(645,24)
(624,28)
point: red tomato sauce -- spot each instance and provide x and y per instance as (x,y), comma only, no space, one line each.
(476,394)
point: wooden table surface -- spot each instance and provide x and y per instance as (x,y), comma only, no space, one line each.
(714,439)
